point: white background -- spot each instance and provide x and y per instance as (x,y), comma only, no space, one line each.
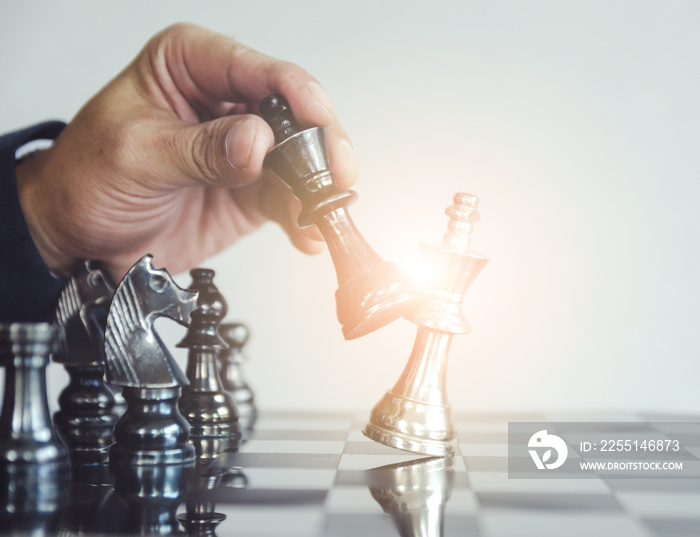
(577,124)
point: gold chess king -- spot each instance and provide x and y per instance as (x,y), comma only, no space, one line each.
(415,415)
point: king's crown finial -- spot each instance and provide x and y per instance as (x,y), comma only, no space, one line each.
(276,111)
(463,215)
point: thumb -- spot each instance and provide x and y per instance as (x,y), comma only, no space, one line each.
(224,152)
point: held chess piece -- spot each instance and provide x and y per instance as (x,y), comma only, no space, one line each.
(87,415)
(371,292)
(414,494)
(208,408)
(151,431)
(236,336)
(34,468)
(415,414)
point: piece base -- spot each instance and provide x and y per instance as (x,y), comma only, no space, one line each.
(408,443)
(374,299)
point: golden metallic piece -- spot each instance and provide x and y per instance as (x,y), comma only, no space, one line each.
(415,415)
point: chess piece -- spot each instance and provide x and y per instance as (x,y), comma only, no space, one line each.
(151,431)
(414,494)
(415,415)
(87,415)
(208,408)
(34,467)
(236,336)
(371,292)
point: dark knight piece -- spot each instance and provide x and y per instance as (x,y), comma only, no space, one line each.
(151,431)
(87,412)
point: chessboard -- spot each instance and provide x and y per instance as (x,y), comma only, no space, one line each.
(316,474)
(311,473)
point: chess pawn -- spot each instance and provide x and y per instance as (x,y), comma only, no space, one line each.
(371,292)
(207,407)
(415,415)
(87,412)
(152,431)
(236,336)
(34,467)
(414,494)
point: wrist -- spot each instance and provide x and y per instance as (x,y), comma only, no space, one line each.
(39,210)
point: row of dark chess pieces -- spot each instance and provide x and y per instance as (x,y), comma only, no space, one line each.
(148,424)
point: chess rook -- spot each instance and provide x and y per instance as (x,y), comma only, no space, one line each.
(415,415)
(206,405)
(34,461)
(152,431)
(236,336)
(371,292)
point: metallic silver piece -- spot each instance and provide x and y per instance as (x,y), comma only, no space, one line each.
(205,404)
(88,410)
(135,355)
(232,359)
(151,431)
(414,494)
(34,462)
(81,315)
(415,415)
(26,433)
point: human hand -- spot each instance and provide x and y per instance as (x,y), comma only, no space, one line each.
(167,158)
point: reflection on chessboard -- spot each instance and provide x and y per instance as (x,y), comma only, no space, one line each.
(316,474)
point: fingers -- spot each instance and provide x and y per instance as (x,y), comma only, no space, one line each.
(207,69)
(226,152)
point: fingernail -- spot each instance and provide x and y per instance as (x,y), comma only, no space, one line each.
(349,152)
(239,143)
(320,96)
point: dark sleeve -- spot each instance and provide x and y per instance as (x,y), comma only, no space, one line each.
(28,290)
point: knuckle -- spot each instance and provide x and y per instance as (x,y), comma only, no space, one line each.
(204,154)
(178,29)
